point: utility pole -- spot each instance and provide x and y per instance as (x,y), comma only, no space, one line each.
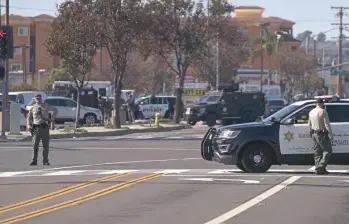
(339,77)
(217,51)
(263,26)
(5,107)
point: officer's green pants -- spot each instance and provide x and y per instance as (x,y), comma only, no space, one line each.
(41,133)
(322,150)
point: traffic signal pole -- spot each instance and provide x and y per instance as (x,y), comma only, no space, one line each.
(5,106)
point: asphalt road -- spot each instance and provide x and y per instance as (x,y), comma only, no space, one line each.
(160,180)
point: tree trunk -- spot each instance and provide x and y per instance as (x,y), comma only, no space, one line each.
(178,106)
(117,95)
(77,116)
(269,62)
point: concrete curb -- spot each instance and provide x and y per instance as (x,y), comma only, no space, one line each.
(108,133)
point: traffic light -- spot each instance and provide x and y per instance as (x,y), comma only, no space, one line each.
(2,73)
(6,42)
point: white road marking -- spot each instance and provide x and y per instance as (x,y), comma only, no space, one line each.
(64,173)
(312,168)
(236,211)
(116,163)
(224,171)
(171,171)
(254,175)
(116,171)
(344,181)
(10,174)
(99,148)
(217,179)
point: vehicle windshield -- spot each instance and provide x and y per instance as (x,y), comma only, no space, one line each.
(209,99)
(138,100)
(275,102)
(10,97)
(31,102)
(282,113)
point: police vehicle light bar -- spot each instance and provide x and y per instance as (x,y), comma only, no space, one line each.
(328,98)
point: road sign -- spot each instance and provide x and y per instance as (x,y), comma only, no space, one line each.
(340,71)
(216,179)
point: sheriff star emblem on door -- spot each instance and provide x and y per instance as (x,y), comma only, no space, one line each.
(288,136)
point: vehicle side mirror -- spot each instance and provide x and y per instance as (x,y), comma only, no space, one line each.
(288,121)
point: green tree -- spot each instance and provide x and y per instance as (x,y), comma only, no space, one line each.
(59,74)
(123,23)
(75,38)
(270,44)
(180,33)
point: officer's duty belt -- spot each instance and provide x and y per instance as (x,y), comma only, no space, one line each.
(42,125)
(319,131)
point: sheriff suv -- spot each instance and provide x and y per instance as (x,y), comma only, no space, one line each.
(282,138)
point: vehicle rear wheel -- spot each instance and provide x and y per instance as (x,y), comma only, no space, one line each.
(257,158)
(247,117)
(192,123)
(211,120)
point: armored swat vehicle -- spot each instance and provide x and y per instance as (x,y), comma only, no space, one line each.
(228,105)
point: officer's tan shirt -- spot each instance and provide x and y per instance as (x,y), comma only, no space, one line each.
(318,120)
(33,116)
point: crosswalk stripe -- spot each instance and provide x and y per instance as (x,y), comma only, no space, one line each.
(64,172)
(11,174)
(109,172)
(171,171)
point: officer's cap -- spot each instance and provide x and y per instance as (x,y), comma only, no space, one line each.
(320,101)
(38,95)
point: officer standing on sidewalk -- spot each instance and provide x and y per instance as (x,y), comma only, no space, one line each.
(321,133)
(38,120)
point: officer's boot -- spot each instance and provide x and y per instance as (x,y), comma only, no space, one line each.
(34,163)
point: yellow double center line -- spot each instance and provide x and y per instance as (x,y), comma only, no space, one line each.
(59,193)
(79,200)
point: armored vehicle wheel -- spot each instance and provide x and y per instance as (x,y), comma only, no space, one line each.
(247,117)
(257,158)
(211,120)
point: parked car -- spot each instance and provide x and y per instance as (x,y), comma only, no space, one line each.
(67,110)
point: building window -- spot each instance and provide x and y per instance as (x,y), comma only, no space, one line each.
(16,67)
(23,31)
(17,50)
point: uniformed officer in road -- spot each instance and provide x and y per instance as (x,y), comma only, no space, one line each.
(38,120)
(321,133)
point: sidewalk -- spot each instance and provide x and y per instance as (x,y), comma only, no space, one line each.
(71,132)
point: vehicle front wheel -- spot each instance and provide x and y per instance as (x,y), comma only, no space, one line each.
(257,158)
(240,166)
(90,119)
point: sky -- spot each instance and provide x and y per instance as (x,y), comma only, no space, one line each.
(314,15)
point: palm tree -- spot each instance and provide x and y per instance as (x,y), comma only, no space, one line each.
(270,44)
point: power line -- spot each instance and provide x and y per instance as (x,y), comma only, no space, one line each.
(25,8)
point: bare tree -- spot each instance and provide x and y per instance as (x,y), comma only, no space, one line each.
(75,39)
(232,52)
(179,31)
(147,77)
(122,23)
(294,66)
